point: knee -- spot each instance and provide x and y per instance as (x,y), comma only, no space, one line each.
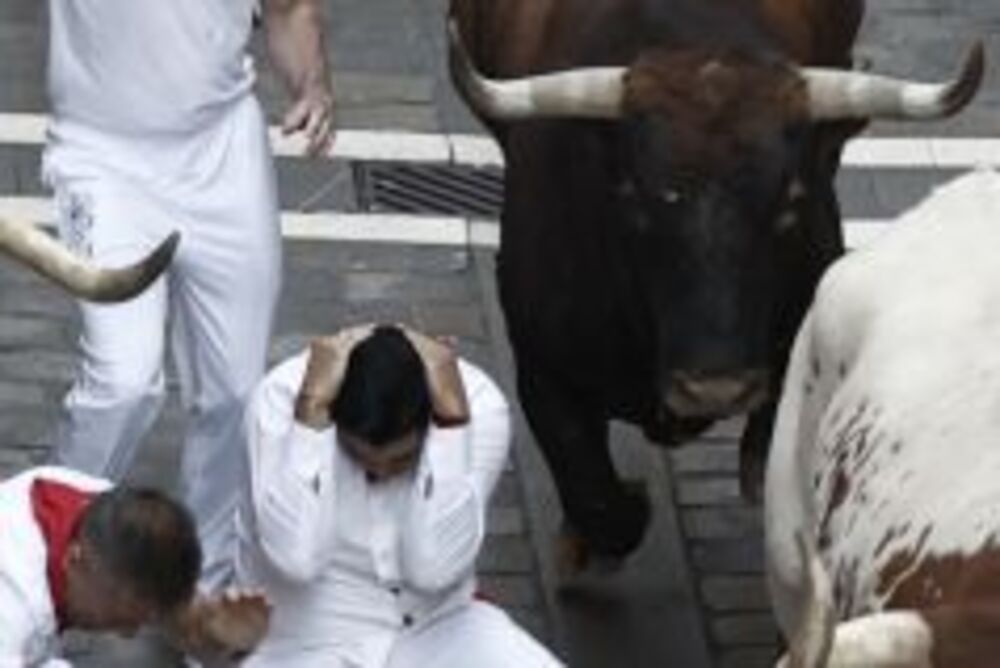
(120,381)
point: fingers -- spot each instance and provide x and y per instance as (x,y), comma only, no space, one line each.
(448,398)
(295,118)
(325,369)
(313,116)
(319,130)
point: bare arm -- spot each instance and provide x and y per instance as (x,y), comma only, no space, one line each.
(296,43)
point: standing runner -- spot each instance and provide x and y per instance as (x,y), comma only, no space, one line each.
(155,128)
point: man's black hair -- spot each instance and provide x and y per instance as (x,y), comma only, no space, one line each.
(384,394)
(146,540)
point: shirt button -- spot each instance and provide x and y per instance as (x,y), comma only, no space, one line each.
(407,620)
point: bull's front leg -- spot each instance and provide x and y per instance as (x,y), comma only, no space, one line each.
(754,445)
(605,520)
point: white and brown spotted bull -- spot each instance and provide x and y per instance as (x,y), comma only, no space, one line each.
(669,207)
(886,449)
(36,249)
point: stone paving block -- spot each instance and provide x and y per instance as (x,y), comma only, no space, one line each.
(18,396)
(506,555)
(722,522)
(20,331)
(415,118)
(456,320)
(735,593)
(726,430)
(20,169)
(311,186)
(897,191)
(748,658)
(37,300)
(856,194)
(745,629)
(27,430)
(505,521)
(379,286)
(703,491)
(321,316)
(37,366)
(510,591)
(507,491)
(13,461)
(301,257)
(285,345)
(743,555)
(701,457)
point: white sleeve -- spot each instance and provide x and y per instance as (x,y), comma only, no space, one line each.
(458,472)
(291,482)
(16,627)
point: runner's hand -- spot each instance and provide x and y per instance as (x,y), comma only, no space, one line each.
(449,402)
(312,114)
(325,371)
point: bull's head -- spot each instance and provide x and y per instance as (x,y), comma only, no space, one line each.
(709,164)
(46,256)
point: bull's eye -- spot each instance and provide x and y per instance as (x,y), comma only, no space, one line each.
(786,221)
(671,196)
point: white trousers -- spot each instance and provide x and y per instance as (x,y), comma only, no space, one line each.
(219,296)
(478,635)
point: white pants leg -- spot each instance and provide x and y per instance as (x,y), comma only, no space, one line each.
(224,297)
(479,635)
(119,384)
(221,292)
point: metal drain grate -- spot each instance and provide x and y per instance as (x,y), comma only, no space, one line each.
(449,190)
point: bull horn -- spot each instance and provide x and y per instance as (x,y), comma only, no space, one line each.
(593,92)
(51,259)
(813,639)
(840,94)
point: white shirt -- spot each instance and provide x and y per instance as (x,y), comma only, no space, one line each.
(350,565)
(28,629)
(136,67)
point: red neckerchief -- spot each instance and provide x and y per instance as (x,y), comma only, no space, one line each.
(57,508)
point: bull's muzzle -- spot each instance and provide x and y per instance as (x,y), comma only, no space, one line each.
(693,394)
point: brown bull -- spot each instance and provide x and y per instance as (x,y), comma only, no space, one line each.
(669,207)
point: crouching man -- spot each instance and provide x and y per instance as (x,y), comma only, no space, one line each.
(76,553)
(373,457)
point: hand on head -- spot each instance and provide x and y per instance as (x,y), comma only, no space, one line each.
(328,356)
(328,359)
(448,399)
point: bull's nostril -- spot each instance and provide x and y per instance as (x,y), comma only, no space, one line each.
(716,395)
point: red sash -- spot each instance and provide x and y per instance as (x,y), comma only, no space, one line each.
(57,508)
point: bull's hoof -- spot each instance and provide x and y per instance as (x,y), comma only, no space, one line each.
(574,558)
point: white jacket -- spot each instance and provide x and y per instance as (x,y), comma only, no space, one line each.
(28,631)
(350,565)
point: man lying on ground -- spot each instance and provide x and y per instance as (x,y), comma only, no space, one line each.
(77,553)
(373,458)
